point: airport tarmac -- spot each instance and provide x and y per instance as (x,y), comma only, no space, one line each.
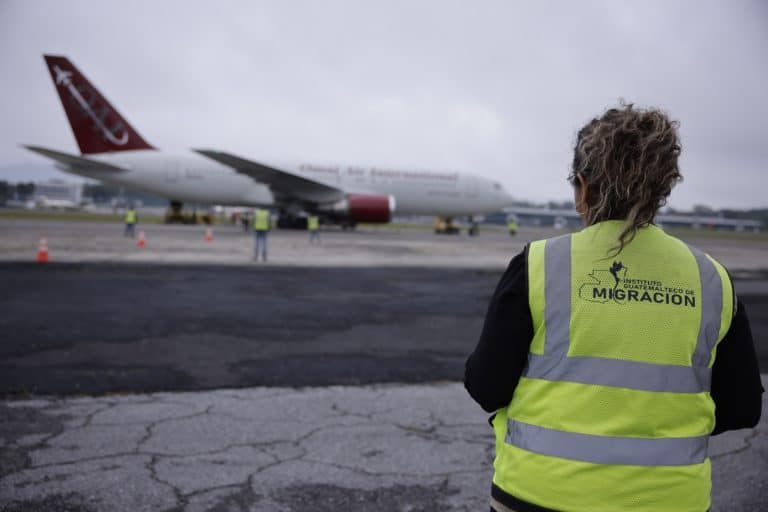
(108,328)
(369,246)
(102,242)
(98,351)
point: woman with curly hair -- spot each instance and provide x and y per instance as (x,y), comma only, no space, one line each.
(610,355)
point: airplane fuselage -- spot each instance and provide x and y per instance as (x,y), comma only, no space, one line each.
(193,178)
(111,150)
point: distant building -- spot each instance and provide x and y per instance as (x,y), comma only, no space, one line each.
(58,194)
(563,218)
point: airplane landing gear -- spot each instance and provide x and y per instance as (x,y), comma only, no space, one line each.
(288,221)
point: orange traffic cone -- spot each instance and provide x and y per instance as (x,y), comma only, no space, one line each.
(208,235)
(142,241)
(42,250)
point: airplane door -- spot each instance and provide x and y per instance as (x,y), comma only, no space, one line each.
(172,172)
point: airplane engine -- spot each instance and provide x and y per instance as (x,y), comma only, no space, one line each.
(365,208)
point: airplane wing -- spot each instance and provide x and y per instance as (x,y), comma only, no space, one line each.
(77,161)
(284,184)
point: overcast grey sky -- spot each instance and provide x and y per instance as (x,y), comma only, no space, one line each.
(496,88)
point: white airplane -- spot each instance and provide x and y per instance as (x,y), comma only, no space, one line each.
(112,151)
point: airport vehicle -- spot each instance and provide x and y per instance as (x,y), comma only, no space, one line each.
(446,227)
(114,152)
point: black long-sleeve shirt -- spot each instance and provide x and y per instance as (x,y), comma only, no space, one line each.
(494,368)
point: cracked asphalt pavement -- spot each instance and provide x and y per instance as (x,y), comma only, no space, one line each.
(334,448)
(369,448)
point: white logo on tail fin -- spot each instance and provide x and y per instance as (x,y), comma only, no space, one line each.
(64,78)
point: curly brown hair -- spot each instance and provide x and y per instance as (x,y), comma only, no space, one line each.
(627,159)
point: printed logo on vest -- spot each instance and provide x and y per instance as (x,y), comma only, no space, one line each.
(613,285)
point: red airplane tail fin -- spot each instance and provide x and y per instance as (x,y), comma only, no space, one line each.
(97,125)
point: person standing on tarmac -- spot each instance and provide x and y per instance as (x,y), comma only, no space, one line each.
(313,226)
(260,231)
(130,222)
(610,355)
(512,225)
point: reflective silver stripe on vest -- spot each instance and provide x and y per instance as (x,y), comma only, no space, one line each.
(620,373)
(555,365)
(711,308)
(557,295)
(634,451)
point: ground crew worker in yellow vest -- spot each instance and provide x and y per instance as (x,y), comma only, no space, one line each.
(512,226)
(130,222)
(610,355)
(261,225)
(313,226)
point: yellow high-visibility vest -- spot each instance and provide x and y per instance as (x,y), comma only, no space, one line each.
(613,411)
(130,217)
(261,220)
(313,223)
